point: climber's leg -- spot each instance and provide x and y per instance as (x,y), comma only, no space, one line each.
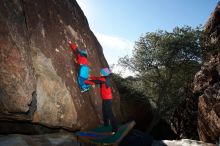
(83,75)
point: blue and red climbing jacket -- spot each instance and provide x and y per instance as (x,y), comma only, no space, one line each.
(104,82)
(81,55)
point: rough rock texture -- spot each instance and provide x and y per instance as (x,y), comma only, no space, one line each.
(67,139)
(140,111)
(212,27)
(207,85)
(207,82)
(37,69)
(135,105)
(198,116)
(56,139)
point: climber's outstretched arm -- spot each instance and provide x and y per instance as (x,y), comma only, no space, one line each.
(73,47)
(94,80)
(89,82)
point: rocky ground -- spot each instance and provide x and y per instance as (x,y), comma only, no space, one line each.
(68,139)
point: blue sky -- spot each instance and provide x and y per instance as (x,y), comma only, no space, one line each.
(119,23)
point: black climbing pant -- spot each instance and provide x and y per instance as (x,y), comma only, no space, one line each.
(108,115)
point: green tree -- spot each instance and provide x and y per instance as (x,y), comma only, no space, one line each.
(166,62)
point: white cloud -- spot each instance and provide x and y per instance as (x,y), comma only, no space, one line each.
(122,71)
(115,48)
(113,42)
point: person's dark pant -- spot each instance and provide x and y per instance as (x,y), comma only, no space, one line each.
(108,115)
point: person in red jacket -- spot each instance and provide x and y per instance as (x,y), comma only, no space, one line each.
(83,69)
(106,96)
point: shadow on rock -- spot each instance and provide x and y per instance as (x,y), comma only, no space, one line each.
(137,138)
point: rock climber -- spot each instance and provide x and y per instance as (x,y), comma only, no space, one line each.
(83,67)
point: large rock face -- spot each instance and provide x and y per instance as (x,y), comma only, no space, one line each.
(207,85)
(37,68)
(207,82)
(198,117)
(55,139)
(212,29)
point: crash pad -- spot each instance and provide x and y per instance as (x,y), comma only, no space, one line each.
(102,135)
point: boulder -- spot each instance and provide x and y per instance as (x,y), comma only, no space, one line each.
(212,28)
(55,139)
(198,116)
(207,83)
(37,69)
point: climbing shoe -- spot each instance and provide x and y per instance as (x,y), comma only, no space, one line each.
(85,90)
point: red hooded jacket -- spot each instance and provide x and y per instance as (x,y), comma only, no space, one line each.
(105,88)
(81,59)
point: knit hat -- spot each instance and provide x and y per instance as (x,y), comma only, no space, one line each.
(105,71)
(83,53)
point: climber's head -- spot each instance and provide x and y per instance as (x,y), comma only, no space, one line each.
(105,71)
(83,53)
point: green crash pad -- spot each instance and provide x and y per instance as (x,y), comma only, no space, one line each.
(101,135)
